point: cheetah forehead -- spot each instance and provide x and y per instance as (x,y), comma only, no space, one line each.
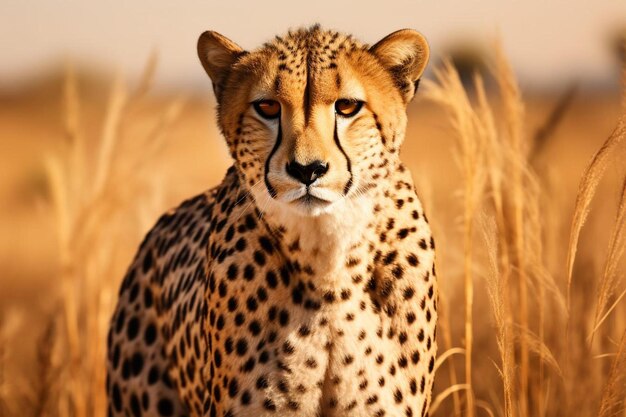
(306,61)
(313,47)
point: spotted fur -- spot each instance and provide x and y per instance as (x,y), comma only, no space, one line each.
(266,297)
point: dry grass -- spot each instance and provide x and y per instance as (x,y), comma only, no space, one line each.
(93,191)
(536,315)
(502,185)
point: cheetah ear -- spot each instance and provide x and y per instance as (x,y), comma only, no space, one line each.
(404,54)
(217,54)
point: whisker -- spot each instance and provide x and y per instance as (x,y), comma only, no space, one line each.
(248,193)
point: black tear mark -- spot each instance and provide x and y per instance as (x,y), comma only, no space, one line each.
(348,163)
(279,137)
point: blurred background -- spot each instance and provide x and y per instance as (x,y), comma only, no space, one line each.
(107,119)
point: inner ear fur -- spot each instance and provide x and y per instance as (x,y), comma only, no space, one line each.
(404,54)
(217,54)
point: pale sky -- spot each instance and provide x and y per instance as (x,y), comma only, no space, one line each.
(548,41)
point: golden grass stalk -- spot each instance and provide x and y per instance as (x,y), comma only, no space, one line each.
(110,134)
(536,345)
(608,311)
(513,112)
(513,228)
(613,400)
(89,226)
(447,354)
(47,377)
(608,283)
(499,157)
(586,190)
(497,290)
(445,394)
(451,94)
(9,323)
(444,329)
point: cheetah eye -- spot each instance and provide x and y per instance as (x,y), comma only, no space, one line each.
(268,109)
(348,107)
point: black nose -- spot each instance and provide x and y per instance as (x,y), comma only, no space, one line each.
(307,174)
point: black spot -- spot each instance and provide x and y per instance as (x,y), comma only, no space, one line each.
(288,348)
(136,363)
(250,222)
(420,335)
(397,271)
(304,331)
(217,358)
(283,317)
(165,407)
(248,272)
(266,244)
(408,293)
(246,397)
(297,295)
(261,383)
(372,400)
(145,401)
(242,347)
(232,272)
(134,291)
(390,257)
(255,327)
(403,233)
(117,398)
(132,328)
(413,386)
(410,317)
(261,294)
(229,234)
(269,405)
(153,375)
(271,278)
(412,259)
(233,388)
(150,334)
(119,322)
(241,244)
(403,362)
(249,365)
(228,345)
(134,406)
(259,258)
(147,261)
(147,297)
(251,304)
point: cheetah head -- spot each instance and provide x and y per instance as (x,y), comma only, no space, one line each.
(314,119)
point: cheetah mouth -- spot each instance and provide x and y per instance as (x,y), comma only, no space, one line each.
(310,200)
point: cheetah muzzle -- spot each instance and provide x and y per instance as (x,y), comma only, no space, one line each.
(304,284)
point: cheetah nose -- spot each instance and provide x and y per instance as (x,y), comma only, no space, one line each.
(307,174)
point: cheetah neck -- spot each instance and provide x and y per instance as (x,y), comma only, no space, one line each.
(323,241)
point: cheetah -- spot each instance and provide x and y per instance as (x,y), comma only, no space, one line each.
(304,284)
